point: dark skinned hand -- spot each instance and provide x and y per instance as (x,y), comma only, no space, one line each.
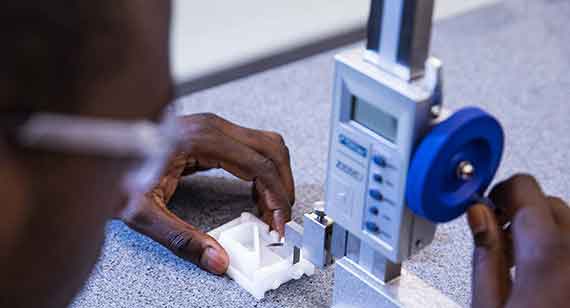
(209,141)
(537,243)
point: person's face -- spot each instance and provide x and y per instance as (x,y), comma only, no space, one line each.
(85,191)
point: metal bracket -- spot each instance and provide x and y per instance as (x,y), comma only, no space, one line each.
(313,239)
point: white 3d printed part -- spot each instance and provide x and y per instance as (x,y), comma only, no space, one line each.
(259,261)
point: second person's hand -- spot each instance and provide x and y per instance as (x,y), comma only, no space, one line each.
(207,142)
(537,243)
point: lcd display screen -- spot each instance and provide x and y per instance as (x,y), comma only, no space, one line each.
(374,119)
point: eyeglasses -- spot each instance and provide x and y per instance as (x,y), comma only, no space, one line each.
(152,143)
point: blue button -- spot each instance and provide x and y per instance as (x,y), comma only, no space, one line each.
(378,178)
(376,195)
(379,160)
(372,227)
(373,210)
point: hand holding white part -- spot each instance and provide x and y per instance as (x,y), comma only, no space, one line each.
(207,142)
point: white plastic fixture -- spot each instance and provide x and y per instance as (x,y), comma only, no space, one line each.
(259,260)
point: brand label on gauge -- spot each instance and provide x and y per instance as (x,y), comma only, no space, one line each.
(348,170)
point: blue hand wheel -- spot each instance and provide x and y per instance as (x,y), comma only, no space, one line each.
(455,161)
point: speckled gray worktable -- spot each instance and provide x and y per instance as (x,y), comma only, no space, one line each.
(511,59)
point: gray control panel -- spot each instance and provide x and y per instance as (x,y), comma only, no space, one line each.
(376,121)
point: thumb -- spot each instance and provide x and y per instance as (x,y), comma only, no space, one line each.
(183,239)
(491,282)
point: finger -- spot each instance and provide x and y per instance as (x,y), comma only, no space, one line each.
(508,246)
(275,217)
(181,238)
(280,218)
(191,166)
(164,187)
(168,182)
(529,212)
(270,145)
(560,211)
(521,194)
(491,279)
(216,149)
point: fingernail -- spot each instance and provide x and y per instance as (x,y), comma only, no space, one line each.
(214,260)
(478,220)
(479,224)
